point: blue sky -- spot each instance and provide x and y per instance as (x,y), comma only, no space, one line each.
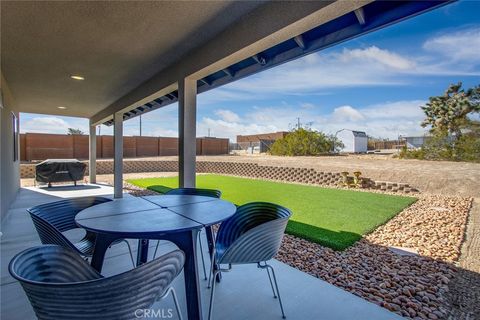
(374,83)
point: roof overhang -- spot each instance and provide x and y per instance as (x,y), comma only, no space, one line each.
(363,18)
(134,53)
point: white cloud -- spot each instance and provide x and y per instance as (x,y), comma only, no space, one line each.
(387,120)
(395,110)
(227,115)
(320,71)
(159,132)
(223,129)
(48,124)
(459,45)
(347,113)
(376,55)
(259,120)
(221,94)
(161,122)
(307,106)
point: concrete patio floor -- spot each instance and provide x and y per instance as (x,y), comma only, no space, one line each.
(244,293)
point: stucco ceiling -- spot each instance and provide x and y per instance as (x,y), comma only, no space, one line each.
(115,45)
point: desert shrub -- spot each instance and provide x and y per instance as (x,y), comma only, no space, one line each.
(304,142)
(443,147)
(454,134)
(468,148)
(412,154)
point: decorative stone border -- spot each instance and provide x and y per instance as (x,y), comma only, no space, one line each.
(253,170)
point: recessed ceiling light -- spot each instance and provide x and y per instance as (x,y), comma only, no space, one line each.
(76,77)
(62,108)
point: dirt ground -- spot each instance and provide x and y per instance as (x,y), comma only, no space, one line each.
(443,177)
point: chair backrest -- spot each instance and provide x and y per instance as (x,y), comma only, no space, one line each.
(51,219)
(61,285)
(196,192)
(253,234)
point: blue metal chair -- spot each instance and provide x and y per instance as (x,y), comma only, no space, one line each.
(54,218)
(212,193)
(252,235)
(62,286)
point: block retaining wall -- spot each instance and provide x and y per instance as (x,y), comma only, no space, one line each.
(253,170)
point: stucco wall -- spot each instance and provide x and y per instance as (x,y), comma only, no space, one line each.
(9,170)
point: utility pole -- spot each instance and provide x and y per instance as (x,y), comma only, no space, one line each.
(209,132)
(298,123)
(140,125)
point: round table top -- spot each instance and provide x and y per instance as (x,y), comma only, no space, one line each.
(154,214)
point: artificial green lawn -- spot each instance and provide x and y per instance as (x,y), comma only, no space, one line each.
(330,217)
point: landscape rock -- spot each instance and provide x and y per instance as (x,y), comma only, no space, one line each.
(413,286)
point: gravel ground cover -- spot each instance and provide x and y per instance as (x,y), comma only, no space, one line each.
(411,285)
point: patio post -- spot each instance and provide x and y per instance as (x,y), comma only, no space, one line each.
(187,141)
(118,155)
(92,154)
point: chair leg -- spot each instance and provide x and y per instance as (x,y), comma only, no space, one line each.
(130,251)
(271,283)
(201,255)
(156,248)
(212,265)
(276,287)
(177,306)
(175,300)
(212,295)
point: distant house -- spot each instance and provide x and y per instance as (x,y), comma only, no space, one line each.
(258,143)
(415,142)
(354,141)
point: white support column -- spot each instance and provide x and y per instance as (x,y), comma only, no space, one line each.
(187,127)
(118,155)
(92,154)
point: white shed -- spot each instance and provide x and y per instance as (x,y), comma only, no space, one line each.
(354,141)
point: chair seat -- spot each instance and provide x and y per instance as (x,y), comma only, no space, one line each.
(52,221)
(252,235)
(85,246)
(61,285)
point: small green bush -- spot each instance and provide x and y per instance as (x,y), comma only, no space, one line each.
(442,147)
(304,142)
(412,154)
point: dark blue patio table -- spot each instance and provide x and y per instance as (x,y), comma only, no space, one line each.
(176,218)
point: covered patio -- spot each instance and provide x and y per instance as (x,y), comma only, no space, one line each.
(93,60)
(304,296)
